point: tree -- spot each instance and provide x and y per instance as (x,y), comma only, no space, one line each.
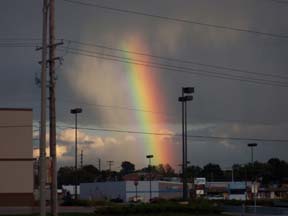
(212,172)
(193,171)
(65,176)
(87,173)
(165,170)
(127,167)
(278,169)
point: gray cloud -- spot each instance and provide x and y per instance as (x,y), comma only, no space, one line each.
(220,107)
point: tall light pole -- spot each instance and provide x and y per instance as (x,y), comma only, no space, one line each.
(149,157)
(75,111)
(183,99)
(252,145)
(254,185)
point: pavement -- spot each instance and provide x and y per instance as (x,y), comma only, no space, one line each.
(248,214)
(249,211)
(33,210)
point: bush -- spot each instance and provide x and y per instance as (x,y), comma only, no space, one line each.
(85,203)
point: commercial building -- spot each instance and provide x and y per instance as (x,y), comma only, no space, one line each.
(221,190)
(237,190)
(130,190)
(16,158)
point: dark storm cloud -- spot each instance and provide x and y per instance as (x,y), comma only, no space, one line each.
(220,106)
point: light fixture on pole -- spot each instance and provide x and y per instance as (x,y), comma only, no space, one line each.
(75,111)
(183,99)
(149,157)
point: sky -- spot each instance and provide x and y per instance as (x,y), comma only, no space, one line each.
(126,71)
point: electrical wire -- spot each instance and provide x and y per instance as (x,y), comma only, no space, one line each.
(116,107)
(160,64)
(178,135)
(176,59)
(190,71)
(280,1)
(157,134)
(138,53)
(272,35)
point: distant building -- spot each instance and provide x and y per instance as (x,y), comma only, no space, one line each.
(273,193)
(16,157)
(220,190)
(130,190)
(237,190)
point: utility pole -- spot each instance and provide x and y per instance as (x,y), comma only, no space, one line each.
(110,163)
(43,113)
(99,164)
(52,109)
(81,159)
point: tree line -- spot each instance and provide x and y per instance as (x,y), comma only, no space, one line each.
(274,171)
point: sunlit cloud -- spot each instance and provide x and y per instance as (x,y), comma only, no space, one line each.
(60,151)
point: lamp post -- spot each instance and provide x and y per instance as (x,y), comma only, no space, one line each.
(75,112)
(254,185)
(252,145)
(136,184)
(149,157)
(183,99)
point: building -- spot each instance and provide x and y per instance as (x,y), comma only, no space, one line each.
(130,190)
(237,190)
(273,193)
(16,157)
(217,190)
(221,190)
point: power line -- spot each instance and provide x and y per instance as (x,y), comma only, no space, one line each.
(191,71)
(18,45)
(176,59)
(148,62)
(21,44)
(266,82)
(62,100)
(20,39)
(116,107)
(179,135)
(280,1)
(273,35)
(183,61)
(157,134)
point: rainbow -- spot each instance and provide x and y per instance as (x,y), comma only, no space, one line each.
(146,95)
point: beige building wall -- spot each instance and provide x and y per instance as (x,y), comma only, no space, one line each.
(16,159)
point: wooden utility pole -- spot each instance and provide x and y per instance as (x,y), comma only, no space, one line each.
(43,113)
(99,164)
(110,163)
(52,109)
(81,159)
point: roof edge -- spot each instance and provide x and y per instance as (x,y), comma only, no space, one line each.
(16,109)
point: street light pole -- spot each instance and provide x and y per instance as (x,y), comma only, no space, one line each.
(183,99)
(150,178)
(252,145)
(75,111)
(254,185)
